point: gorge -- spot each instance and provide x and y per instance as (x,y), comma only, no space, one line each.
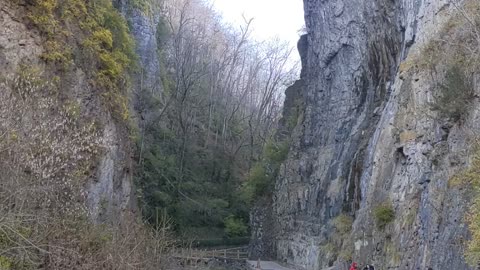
(131,127)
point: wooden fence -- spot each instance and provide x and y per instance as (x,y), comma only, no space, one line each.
(190,255)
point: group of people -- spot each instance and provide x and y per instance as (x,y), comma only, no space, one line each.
(354,266)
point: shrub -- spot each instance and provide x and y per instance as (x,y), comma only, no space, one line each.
(257,182)
(456,93)
(56,52)
(103,34)
(235,227)
(5,263)
(276,152)
(384,214)
(142,5)
(162,33)
(263,173)
(343,223)
(39,242)
(346,254)
(43,16)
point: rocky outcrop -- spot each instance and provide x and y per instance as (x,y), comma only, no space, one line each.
(144,28)
(17,42)
(62,138)
(368,138)
(112,192)
(262,240)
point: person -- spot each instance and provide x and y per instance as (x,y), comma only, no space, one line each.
(367,267)
(353,266)
(371,267)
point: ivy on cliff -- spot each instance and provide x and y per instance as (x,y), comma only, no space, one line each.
(89,34)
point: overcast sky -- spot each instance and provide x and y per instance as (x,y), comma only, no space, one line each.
(282,18)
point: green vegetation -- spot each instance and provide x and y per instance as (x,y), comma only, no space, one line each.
(207,147)
(43,15)
(45,225)
(384,214)
(458,50)
(456,94)
(163,32)
(203,132)
(102,35)
(472,252)
(343,224)
(264,172)
(139,4)
(235,227)
(346,254)
(197,189)
(458,44)
(392,252)
(337,246)
(470,177)
(5,263)
(455,54)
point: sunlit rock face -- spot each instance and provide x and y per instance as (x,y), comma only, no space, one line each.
(108,188)
(368,138)
(111,193)
(64,161)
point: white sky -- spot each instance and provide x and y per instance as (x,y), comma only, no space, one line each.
(272,18)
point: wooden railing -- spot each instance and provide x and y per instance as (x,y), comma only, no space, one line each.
(199,254)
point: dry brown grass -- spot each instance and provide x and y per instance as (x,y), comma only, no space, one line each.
(33,241)
(47,152)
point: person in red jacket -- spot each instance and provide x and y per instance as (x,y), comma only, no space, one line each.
(354,266)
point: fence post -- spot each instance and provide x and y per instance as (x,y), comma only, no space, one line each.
(238,253)
(225,253)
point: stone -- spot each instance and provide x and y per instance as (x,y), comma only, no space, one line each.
(365,139)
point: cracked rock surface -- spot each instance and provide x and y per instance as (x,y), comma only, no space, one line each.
(366,138)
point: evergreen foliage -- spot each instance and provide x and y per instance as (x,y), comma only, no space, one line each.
(212,122)
(456,93)
(384,214)
(263,173)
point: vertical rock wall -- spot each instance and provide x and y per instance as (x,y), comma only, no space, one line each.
(107,180)
(368,138)
(112,189)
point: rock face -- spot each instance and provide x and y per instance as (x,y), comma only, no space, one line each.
(111,192)
(106,176)
(107,180)
(144,28)
(368,139)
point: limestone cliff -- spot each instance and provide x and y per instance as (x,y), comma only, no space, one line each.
(61,133)
(367,139)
